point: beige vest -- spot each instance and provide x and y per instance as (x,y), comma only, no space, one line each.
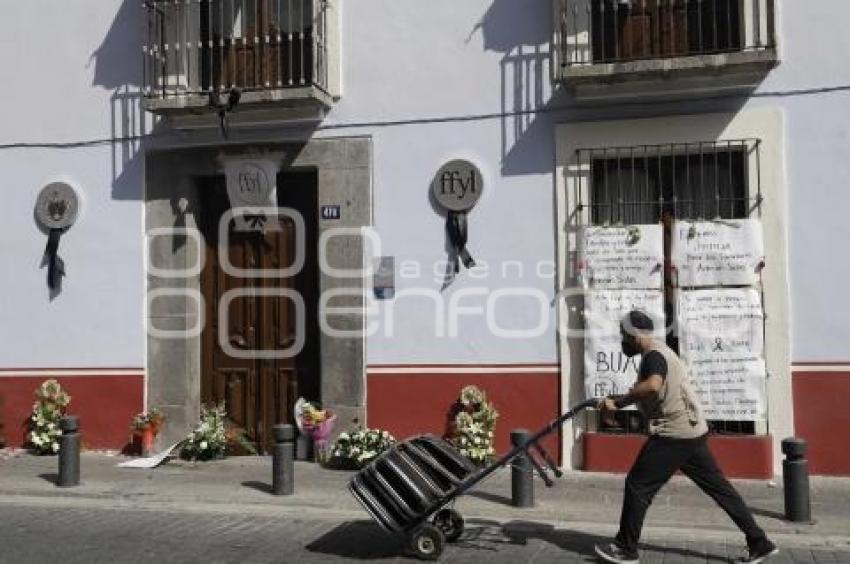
(675,411)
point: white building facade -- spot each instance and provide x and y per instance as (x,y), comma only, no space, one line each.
(350,109)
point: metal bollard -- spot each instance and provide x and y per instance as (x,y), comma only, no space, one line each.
(795,480)
(522,480)
(283,457)
(69,452)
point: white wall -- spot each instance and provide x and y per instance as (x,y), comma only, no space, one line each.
(97,319)
(814,48)
(462,65)
(63,87)
(471,69)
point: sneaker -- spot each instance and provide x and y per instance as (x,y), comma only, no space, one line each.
(611,552)
(760,553)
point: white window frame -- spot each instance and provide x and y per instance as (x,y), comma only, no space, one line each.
(765,124)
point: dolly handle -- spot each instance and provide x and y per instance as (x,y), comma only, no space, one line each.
(507,457)
(549,462)
(543,475)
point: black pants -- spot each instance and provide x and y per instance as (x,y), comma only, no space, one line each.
(659,459)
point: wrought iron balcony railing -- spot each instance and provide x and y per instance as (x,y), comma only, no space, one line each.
(194,47)
(614,31)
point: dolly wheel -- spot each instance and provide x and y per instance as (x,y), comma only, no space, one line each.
(427,543)
(450,523)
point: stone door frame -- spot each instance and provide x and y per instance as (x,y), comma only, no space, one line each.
(173,317)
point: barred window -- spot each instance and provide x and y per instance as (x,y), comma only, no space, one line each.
(663,183)
(624,30)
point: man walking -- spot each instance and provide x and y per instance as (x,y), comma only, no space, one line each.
(677,441)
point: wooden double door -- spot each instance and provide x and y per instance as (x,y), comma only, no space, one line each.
(250,322)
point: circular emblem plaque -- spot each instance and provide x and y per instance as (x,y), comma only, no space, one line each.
(57,206)
(253,186)
(458,185)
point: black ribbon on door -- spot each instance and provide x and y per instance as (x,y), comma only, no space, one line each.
(55,264)
(456,228)
(257,221)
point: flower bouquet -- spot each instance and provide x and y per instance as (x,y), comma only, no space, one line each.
(47,411)
(208,440)
(316,423)
(360,446)
(473,425)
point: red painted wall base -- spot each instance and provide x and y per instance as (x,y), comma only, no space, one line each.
(821,416)
(409,404)
(738,457)
(105,404)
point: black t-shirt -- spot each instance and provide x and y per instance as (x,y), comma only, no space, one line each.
(652,362)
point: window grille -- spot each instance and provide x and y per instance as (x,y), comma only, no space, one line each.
(198,46)
(607,31)
(648,184)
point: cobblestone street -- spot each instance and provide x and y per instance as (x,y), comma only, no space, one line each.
(87,534)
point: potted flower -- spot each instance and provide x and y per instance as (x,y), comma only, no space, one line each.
(316,423)
(48,409)
(145,428)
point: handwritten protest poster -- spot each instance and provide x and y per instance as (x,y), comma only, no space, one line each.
(607,370)
(730,386)
(717,253)
(721,337)
(720,320)
(621,257)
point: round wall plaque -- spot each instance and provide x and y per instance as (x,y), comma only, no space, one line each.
(253,186)
(458,185)
(57,206)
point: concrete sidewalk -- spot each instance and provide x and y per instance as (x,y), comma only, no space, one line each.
(579,501)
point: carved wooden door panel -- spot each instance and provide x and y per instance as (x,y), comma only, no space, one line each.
(278,376)
(229,373)
(248,319)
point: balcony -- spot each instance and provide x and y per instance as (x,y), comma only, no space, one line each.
(627,48)
(276,52)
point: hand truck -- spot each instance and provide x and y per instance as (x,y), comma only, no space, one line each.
(409,489)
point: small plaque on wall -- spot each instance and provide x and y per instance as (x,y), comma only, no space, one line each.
(57,206)
(331,212)
(458,185)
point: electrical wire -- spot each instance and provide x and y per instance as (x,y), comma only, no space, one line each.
(437,119)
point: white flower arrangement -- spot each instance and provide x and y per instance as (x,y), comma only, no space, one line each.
(48,409)
(474,425)
(208,440)
(361,445)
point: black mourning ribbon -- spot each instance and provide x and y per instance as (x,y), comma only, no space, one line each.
(55,264)
(256,221)
(456,227)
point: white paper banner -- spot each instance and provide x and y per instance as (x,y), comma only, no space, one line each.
(720,320)
(721,337)
(150,461)
(621,257)
(252,183)
(607,370)
(730,386)
(717,253)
